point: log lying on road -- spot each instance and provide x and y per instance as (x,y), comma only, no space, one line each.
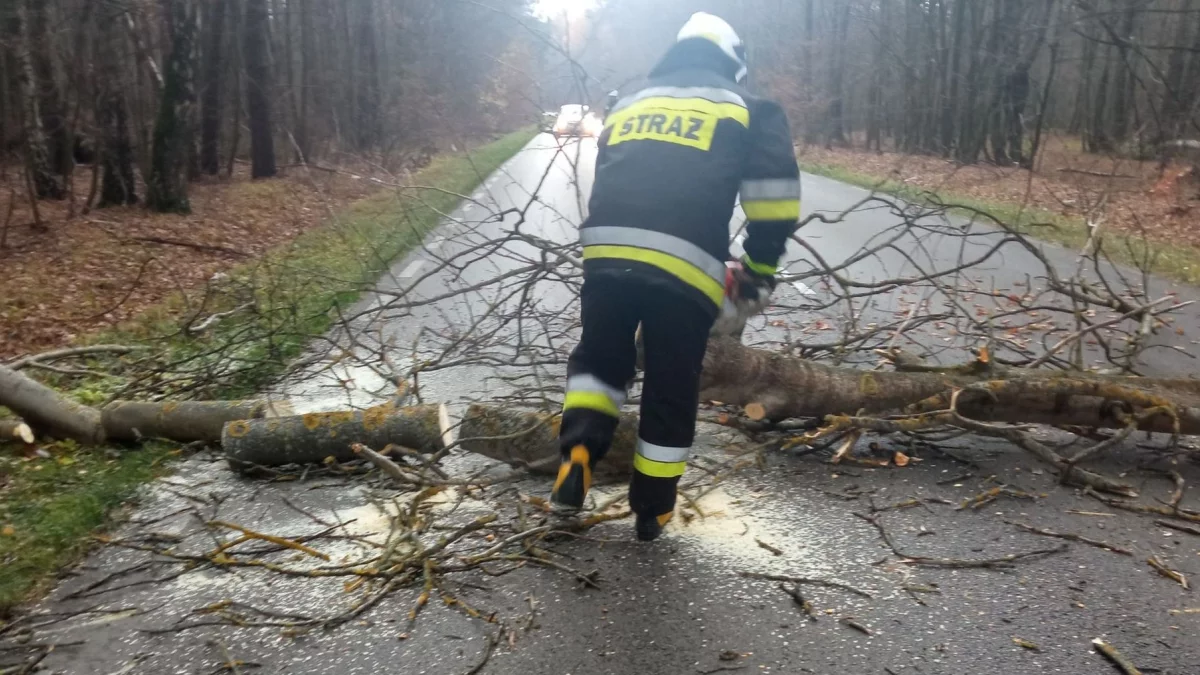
(790,387)
(314,437)
(524,439)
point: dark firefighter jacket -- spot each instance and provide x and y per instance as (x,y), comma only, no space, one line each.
(674,156)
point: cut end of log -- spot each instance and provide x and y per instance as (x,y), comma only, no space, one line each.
(444,425)
(756,411)
(24,433)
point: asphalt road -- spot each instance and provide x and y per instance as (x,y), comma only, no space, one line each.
(679,605)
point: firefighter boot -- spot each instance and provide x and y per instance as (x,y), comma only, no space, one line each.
(652,500)
(574,478)
(649,527)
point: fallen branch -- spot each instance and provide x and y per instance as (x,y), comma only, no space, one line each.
(212,248)
(805,580)
(278,541)
(1182,514)
(70,352)
(1178,527)
(1110,652)
(801,601)
(1167,572)
(1072,537)
(909,559)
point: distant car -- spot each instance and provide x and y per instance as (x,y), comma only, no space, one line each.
(577,120)
(548,120)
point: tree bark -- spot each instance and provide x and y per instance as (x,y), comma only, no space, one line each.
(835,123)
(38,162)
(367,101)
(210,98)
(315,437)
(51,414)
(783,386)
(256,41)
(118,183)
(308,60)
(167,186)
(50,100)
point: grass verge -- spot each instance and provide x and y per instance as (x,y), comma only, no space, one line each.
(1178,263)
(51,502)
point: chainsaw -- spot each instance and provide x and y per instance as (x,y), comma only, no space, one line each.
(743,299)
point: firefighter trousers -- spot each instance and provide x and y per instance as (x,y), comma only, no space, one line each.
(675,332)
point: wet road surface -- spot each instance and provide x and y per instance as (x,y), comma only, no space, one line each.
(679,605)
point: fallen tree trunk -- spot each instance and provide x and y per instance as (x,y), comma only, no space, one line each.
(790,387)
(47,411)
(781,386)
(185,421)
(314,437)
(51,414)
(524,439)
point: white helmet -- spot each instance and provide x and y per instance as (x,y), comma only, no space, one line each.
(719,32)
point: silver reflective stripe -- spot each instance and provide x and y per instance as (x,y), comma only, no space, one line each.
(661,453)
(714,94)
(609,235)
(770,188)
(593,383)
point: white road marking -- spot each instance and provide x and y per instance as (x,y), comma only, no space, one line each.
(413,267)
(804,289)
(436,244)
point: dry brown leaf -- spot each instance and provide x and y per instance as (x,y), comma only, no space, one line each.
(901,459)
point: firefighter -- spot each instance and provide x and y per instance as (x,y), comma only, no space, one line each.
(610,102)
(673,158)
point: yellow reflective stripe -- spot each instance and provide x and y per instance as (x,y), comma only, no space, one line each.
(772,209)
(761,268)
(655,469)
(591,400)
(684,271)
(646,106)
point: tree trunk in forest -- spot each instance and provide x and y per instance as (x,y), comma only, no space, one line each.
(811,129)
(971,130)
(38,163)
(50,101)
(1099,138)
(1176,103)
(1123,80)
(308,59)
(166,189)
(118,183)
(875,100)
(958,43)
(366,72)
(256,41)
(210,97)
(835,124)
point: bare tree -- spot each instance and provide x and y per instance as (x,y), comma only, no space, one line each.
(118,181)
(38,160)
(256,39)
(210,97)
(166,188)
